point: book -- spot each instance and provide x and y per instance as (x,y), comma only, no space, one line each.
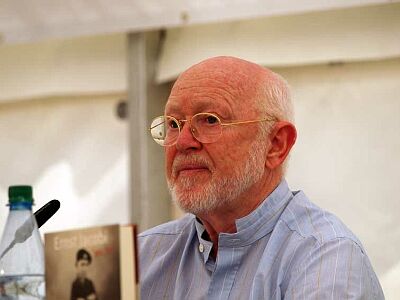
(94,263)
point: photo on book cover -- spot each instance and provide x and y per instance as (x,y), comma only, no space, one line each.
(83,264)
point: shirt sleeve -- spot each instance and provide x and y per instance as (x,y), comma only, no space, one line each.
(336,269)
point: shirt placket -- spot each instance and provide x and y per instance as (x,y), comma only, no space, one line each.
(226,268)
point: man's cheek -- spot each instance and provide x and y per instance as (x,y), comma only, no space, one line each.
(168,164)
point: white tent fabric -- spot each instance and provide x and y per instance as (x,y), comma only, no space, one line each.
(82,66)
(73,149)
(367,33)
(27,21)
(97,65)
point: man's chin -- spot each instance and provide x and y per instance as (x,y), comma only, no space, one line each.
(193,207)
(196,201)
(191,184)
(193,176)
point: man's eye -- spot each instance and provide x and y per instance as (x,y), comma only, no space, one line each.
(211,120)
(173,124)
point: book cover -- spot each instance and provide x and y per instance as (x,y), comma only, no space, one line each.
(94,263)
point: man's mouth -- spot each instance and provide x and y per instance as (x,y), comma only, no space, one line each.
(190,169)
(190,166)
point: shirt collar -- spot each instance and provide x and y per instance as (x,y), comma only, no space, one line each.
(207,245)
(258,223)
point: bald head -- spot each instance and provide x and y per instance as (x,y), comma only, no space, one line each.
(242,80)
(237,72)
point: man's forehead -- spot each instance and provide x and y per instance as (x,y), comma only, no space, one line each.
(225,102)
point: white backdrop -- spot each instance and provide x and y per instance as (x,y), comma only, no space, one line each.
(70,149)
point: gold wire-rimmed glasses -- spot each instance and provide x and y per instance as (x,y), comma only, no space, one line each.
(205,127)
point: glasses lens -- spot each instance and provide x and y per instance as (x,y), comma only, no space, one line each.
(207,127)
(164,130)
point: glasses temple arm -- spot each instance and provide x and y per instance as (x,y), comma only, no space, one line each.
(251,121)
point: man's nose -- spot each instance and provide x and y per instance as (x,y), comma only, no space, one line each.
(186,139)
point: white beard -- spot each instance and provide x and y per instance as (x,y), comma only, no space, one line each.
(222,191)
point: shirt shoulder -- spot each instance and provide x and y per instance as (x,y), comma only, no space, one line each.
(161,246)
(175,227)
(326,260)
(310,221)
(168,237)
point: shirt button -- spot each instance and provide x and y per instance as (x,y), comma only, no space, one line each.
(201,248)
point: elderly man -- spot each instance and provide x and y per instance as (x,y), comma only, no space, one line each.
(227,132)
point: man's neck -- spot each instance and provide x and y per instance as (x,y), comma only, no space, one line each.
(223,220)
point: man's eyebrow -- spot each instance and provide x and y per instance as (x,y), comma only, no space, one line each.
(199,107)
(220,109)
(171,108)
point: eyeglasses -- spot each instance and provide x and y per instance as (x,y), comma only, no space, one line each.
(205,127)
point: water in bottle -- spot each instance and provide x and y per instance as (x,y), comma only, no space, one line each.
(21,250)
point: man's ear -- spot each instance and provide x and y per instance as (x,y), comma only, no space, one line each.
(282,138)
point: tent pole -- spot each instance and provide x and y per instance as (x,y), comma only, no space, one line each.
(149,198)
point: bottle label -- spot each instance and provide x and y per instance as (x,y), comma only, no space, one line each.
(30,287)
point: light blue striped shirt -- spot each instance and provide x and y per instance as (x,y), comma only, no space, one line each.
(287,248)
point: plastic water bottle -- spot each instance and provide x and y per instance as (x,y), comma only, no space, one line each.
(21,250)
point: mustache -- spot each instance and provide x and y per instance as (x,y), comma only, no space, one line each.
(181,161)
